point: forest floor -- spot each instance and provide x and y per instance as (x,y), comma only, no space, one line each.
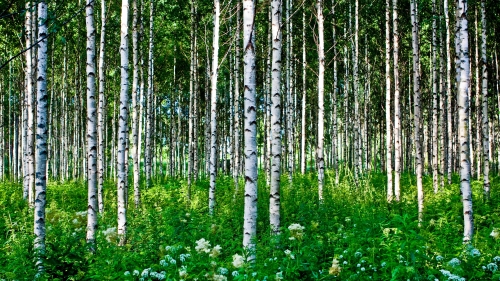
(353,235)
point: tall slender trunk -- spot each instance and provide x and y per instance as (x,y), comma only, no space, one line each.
(435,179)
(321,105)
(135,103)
(29,182)
(101,111)
(123,126)
(274,204)
(463,114)
(416,107)
(149,107)
(236,120)
(357,129)
(388,133)
(250,128)
(486,139)
(41,138)
(304,94)
(397,105)
(449,127)
(92,207)
(213,108)
(478,145)
(335,91)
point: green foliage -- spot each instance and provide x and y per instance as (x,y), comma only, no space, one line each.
(365,237)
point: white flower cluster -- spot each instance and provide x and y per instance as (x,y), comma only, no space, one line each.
(454,262)
(215,251)
(474,252)
(289,254)
(279,276)
(170,259)
(183,257)
(238,261)
(81,214)
(183,272)
(222,270)
(439,258)
(202,245)
(296,231)
(217,277)
(493,267)
(358,255)
(158,275)
(451,276)
(496,259)
(495,233)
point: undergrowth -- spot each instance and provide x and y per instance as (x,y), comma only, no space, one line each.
(354,234)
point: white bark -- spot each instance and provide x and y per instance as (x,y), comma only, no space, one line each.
(321,104)
(101,111)
(388,122)
(449,135)
(416,108)
(335,93)
(484,86)
(41,138)
(463,117)
(236,126)
(123,126)
(30,112)
(435,179)
(304,92)
(135,103)
(92,207)
(397,105)
(357,138)
(148,153)
(274,204)
(250,128)
(213,108)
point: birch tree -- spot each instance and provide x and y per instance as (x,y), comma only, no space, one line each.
(101,111)
(484,90)
(397,105)
(41,138)
(250,128)
(321,104)
(123,126)
(213,108)
(135,102)
(416,107)
(390,193)
(449,127)
(274,204)
(29,182)
(92,207)
(435,179)
(463,81)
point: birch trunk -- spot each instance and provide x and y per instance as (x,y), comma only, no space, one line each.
(250,128)
(478,145)
(321,105)
(435,179)
(274,204)
(149,107)
(30,105)
(335,92)
(357,139)
(449,135)
(123,126)
(304,93)
(484,86)
(92,207)
(463,114)
(135,103)
(388,133)
(397,104)
(41,138)
(236,126)
(416,108)
(213,108)
(101,112)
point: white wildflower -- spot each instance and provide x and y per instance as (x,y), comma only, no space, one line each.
(279,276)
(358,254)
(238,260)
(218,277)
(183,257)
(136,272)
(222,270)
(383,264)
(163,263)
(183,271)
(439,258)
(495,233)
(344,263)
(235,273)
(145,272)
(296,231)
(363,269)
(454,262)
(254,274)
(126,273)
(75,221)
(496,259)
(493,267)
(474,253)
(202,245)
(215,251)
